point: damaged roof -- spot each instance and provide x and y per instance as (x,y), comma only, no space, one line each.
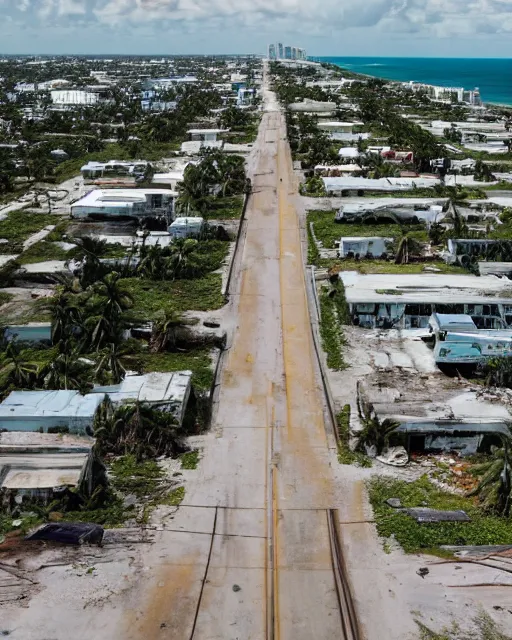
(425,288)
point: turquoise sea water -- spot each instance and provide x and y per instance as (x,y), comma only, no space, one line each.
(493,76)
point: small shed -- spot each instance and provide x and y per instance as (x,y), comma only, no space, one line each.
(186,227)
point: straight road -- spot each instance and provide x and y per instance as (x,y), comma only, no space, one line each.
(250,556)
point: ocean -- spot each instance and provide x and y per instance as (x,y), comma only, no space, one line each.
(493,76)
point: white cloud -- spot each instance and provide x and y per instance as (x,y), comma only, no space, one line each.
(435,18)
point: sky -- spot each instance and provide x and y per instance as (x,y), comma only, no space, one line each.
(439,28)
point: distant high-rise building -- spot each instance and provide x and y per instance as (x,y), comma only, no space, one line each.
(294,53)
(287,53)
(272,51)
(280,50)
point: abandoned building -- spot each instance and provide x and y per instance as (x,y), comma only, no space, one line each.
(42,467)
(375,247)
(407,301)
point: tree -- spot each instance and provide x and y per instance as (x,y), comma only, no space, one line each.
(166,328)
(111,301)
(66,316)
(138,429)
(68,371)
(436,233)
(407,246)
(91,249)
(234,118)
(184,260)
(494,489)
(17,371)
(110,368)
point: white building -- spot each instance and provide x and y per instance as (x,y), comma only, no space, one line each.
(204,135)
(125,203)
(360,247)
(95,169)
(75,97)
(407,301)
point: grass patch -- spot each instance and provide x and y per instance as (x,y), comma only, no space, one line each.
(20,225)
(43,251)
(313,251)
(198,361)
(5,297)
(37,311)
(414,537)
(200,294)
(175,497)
(190,459)
(383,266)
(331,333)
(228,208)
(147,482)
(213,254)
(327,231)
(138,478)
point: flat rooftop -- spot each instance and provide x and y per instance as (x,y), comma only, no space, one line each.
(42,461)
(49,404)
(119,196)
(425,288)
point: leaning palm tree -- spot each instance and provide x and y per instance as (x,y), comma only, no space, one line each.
(166,327)
(16,370)
(495,488)
(407,246)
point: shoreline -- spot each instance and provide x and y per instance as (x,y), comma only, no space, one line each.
(485,103)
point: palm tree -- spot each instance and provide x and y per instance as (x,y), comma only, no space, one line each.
(183,260)
(110,368)
(91,249)
(407,246)
(18,372)
(495,488)
(68,371)
(66,316)
(112,301)
(166,328)
(152,263)
(140,430)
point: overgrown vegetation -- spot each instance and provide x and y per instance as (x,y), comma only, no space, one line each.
(345,454)
(331,333)
(190,459)
(415,537)
(200,294)
(5,297)
(328,232)
(484,629)
(20,225)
